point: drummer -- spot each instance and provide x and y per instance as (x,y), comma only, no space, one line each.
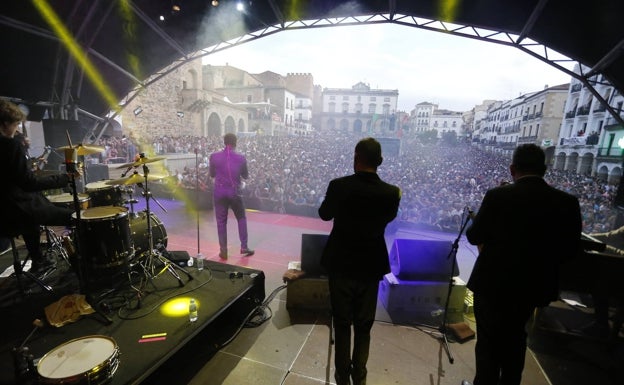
(25,207)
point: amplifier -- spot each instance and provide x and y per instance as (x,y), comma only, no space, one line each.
(422,302)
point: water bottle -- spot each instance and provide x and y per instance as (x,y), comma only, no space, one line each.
(192,310)
(200,261)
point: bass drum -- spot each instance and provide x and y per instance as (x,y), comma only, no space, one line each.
(89,360)
(138,228)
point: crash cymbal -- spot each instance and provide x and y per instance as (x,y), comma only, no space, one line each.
(142,161)
(83,149)
(134,179)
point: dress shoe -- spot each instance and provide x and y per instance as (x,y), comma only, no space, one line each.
(247,252)
(466,382)
(223,254)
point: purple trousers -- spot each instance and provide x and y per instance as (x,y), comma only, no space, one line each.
(223,201)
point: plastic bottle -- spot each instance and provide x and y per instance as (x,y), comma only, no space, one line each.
(200,261)
(192,310)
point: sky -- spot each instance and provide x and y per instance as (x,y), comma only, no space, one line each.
(424,66)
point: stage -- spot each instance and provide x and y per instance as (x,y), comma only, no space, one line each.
(136,338)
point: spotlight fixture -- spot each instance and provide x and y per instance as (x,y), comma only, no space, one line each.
(240,6)
(180,114)
(215,3)
(137,111)
(175,8)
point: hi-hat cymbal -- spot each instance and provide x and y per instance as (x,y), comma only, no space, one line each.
(142,161)
(83,149)
(134,179)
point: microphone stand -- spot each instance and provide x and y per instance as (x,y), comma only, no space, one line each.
(197,198)
(452,254)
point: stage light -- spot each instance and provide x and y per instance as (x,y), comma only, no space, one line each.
(180,114)
(137,111)
(177,307)
(162,18)
(175,8)
(215,3)
(240,7)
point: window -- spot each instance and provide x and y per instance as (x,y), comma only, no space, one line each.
(386,99)
(345,108)
(332,107)
(345,97)
(248,98)
(332,97)
(373,99)
(372,108)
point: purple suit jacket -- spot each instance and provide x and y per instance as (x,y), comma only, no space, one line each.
(227,167)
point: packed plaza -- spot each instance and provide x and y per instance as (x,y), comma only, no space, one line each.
(289,174)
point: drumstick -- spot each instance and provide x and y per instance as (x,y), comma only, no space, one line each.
(69,139)
(38,324)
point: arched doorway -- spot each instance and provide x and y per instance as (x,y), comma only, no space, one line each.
(214,125)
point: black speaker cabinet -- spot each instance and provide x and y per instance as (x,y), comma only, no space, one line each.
(312,246)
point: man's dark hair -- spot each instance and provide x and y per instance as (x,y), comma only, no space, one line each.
(529,159)
(369,152)
(229,139)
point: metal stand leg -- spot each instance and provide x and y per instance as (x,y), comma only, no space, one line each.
(19,272)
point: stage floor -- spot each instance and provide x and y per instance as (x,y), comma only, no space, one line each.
(293,347)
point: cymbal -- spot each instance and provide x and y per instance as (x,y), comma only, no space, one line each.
(134,179)
(142,161)
(83,149)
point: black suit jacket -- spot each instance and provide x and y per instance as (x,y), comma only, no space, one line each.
(361,206)
(525,229)
(21,195)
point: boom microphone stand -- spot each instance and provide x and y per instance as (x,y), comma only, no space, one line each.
(452,254)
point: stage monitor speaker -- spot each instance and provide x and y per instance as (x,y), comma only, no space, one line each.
(312,246)
(422,260)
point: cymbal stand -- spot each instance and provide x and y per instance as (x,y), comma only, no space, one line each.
(132,201)
(153,254)
(71,168)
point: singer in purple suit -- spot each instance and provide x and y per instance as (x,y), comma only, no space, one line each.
(25,208)
(228,167)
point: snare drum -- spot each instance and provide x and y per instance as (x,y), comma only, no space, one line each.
(67,200)
(140,236)
(103,194)
(105,237)
(89,360)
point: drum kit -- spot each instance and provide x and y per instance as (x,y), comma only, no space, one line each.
(108,238)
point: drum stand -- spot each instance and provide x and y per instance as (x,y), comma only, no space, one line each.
(154,255)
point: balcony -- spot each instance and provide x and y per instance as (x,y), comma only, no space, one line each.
(600,108)
(570,114)
(583,110)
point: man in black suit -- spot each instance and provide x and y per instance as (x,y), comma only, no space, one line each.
(24,206)
(524,230)
(356,256)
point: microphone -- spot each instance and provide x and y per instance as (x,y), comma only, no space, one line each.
(471,213)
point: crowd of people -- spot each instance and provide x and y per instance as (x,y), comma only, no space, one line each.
(289,174)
